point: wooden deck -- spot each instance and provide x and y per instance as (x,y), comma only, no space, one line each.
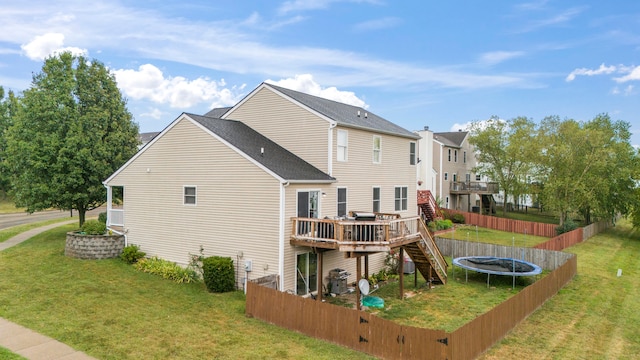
(474,187)
(383,234)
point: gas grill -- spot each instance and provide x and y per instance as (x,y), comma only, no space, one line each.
(338,281)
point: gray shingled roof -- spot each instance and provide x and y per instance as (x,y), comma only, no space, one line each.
(217,112)
(346,115)
(275,158)
(147,136)
(451,139)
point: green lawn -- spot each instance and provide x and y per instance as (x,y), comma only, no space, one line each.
(15,230)
(110,311)
(7,206)
(478,234)
(446,307)
(8,355)
(596,316)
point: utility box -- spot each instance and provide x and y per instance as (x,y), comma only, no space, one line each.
(248,265)
(408,267)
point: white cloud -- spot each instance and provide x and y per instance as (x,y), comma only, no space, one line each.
(305,5)
(633,74)
(227,46)
(495,57)
(305,83)
(148,82)
(153,113)
(377,24)
(588,72)
(48,44)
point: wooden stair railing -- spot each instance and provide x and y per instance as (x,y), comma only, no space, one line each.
(428,206)
(427,257)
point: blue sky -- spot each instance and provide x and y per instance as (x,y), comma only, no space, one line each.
(417,63)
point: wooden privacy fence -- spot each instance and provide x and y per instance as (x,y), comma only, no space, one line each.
(516,226)
(362,331)
(386,339)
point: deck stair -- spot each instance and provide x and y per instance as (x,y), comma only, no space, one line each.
(429,209)
(427,257)
(488,204)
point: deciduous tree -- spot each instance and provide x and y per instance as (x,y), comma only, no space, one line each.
(70,132)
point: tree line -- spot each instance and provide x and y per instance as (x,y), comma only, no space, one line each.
(573,168)
(64,135)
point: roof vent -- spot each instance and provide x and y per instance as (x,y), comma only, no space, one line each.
(358,113)
(426,128)
(261,151)
(459,130)
(366,115)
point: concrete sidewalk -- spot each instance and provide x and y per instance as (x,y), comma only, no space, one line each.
(27,343)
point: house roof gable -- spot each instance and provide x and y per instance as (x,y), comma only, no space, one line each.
(262,150)
(340,113)
(265,153)
(451,139)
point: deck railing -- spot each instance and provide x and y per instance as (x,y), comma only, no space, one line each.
(474,187)
(355,235)
(432,248)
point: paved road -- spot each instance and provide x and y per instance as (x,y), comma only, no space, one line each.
(13,219)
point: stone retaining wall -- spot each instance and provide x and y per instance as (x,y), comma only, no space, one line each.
(93,246)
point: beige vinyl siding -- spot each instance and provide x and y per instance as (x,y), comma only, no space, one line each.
(359,174)
(237,203)
(291,126)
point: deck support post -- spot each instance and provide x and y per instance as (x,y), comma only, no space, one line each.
(366,267)
(401,272)
(319,275)
(358,272)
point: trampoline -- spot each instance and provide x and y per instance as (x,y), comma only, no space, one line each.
(497,266)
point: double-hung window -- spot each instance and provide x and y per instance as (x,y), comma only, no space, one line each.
(189,193)
(342,145)
(401,198)
(377,149)
(376,199)
(342,201)
(412,153)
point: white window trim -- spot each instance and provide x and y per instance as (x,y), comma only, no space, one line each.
(413,156)
(345,145)
(379,150)
(184,195)
(406,199)
(346,200)
(379,197)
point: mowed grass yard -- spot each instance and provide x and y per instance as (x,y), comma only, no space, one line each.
(110,311)
(596,316)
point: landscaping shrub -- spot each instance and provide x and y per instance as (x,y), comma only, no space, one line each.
(131,254)
(457,218)
(440,225)
(569,225)
(166,269)
(93,227)
(218,274)
(102,217)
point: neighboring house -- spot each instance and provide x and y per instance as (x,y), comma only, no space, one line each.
(448,172)
(145,138)
(272,184)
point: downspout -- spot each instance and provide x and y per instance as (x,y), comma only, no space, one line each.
(332,125)
(281,230)
(441,174)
